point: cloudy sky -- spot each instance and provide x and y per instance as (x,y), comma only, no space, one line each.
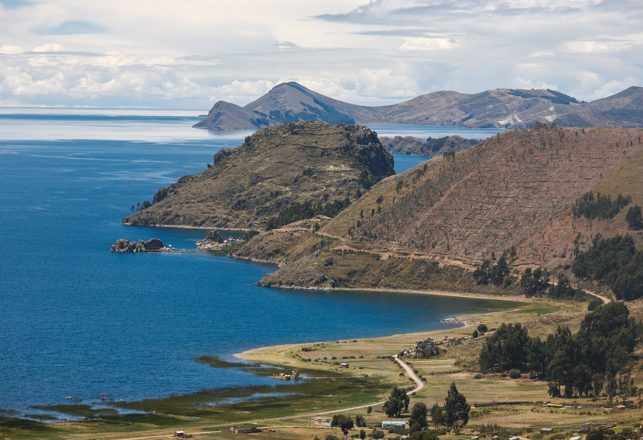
(189,53)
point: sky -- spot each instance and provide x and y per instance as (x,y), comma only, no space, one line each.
(190,53)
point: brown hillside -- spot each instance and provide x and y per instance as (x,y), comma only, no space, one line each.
(275,168)
(515,189)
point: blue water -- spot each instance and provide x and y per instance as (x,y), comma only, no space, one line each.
(77,320)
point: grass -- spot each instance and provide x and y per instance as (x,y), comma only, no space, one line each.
(369,378)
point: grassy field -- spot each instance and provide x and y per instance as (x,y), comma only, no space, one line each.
(514,404)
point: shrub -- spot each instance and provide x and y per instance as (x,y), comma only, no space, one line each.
(599,206)
(514,373)
(615,262)
(633,218)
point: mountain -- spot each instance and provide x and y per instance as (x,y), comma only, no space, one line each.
(623,109)
(423,228)
(278,175)
(500,108)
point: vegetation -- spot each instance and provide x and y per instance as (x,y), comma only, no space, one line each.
(594,360)
(633,218)
(437,415)
(418,420)
(534,283)
(456,407)
(343,422)
(397,403)
(488,273)
(299,211)
(564,290)
(599,206)
(615,262)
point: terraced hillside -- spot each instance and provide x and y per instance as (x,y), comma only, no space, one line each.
(515,189)
(426,228)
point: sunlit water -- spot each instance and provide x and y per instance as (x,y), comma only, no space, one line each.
(77,320)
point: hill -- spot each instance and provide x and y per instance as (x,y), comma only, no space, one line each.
(623,109)
(500,108)
(422,228)
(298,169)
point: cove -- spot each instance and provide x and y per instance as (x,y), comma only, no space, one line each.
(78,321)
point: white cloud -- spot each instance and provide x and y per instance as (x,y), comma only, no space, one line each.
(8,49)
(426,43)
(49,47)
(189,54)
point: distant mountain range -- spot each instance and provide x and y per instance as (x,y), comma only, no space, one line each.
(499,108)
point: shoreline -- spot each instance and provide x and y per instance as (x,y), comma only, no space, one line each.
(428,292)
(196,228)
(465,321)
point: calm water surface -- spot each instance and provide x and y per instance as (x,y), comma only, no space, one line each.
(76,320)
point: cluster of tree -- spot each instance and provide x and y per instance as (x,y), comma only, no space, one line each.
(536,283)
(634,219)
(594,360)
(488,273)
(615,262)
(599,206)
(397,403)
(455,409)
(564,290)
(299,211)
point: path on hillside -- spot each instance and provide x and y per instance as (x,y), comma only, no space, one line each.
(167,433)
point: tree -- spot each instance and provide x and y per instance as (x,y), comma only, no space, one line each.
(437,415)
(456,407)
(397,402)
(482,328)
(343,422)
(418,419)
(360,421)
(362,434)
(499,271)
(633,218)
(505,349)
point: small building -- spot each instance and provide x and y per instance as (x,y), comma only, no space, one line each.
(546,430)
(395,424)
(576,437)
(322,421)
(344,365)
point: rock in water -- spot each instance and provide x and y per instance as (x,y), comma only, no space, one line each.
(124,246)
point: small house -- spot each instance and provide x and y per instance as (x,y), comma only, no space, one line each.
(344,365)
(322,421)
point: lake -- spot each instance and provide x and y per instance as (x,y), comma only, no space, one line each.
(77,320)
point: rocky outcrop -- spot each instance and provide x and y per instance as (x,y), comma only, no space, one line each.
(279,175)
(429,147)
(500,108)
(123,246)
